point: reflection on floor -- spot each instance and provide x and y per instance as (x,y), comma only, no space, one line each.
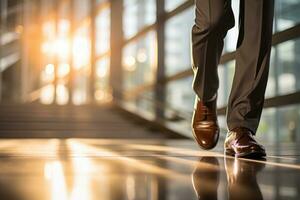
(86,169)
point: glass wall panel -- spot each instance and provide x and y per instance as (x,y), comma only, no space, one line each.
(226,73)
(139,61)
(56,52)
(139,69)
(287,62)
(103,91)
(47,75)
(81,53)
(287,14)
(280,124)
(82,10)
(180,96)
(47,49)
(177,38)
(272,86)
(145,104)
(284,70)
(63,53)
(103,31)
(141,104)
(172,4)
(137,15)
(277,125)
(232,35)
(101,1)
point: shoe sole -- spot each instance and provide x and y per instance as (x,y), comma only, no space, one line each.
(253,154)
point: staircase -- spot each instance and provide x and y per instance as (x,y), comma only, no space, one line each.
(88,121)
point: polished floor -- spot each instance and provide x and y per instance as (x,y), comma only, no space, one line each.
(84,169)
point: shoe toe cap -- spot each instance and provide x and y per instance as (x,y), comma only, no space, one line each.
(207,138)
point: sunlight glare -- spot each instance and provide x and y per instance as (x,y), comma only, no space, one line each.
(142,55)
(63,70)
(79,97)
(53,172)
(62,48)
(49,69)
(130,63)
(47,94)
(81,52)
(62,94)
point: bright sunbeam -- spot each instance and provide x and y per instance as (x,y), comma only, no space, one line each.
(83,168)
(82,180)
(62,94)
(62,48)
(47,94)
(53,172)
(63,70)
(81,52)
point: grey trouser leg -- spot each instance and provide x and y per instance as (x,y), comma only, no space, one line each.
(213,19)
(252,64)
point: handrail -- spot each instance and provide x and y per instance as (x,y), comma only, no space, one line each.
(277,101)
(157,104)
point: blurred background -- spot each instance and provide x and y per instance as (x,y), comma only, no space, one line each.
(134,54)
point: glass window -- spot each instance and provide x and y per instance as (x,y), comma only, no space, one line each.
(278,74)
(283,72)
(180,99)
(103,91)
(139,61)
(286,64)
(226,73)
(103,31)
(180,94)
(101,1)
(172,4)
(56,52)
(287,14)
(137,15)
(232,35)
(142,104)
(177,47)
(272,80)
(277,125)
(82,11)
(81,60)
(280,124)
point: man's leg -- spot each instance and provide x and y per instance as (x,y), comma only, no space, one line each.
(250,79)
(213,19)
(252,64)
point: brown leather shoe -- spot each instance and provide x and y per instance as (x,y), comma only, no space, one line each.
(240,143)
(205,124)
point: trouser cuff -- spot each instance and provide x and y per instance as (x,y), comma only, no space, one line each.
(251,125)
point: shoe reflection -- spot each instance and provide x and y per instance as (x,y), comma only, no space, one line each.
(205,178)
(241,177)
